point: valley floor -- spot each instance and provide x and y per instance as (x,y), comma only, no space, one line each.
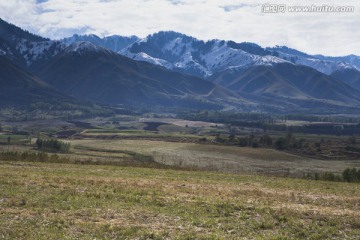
(68,201)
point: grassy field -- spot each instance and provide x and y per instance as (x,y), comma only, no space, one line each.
(230,159)
(67,201)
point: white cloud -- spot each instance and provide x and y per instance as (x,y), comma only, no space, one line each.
(325,33)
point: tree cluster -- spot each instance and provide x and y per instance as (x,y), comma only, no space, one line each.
(289,141)
(246,141)
(53,145)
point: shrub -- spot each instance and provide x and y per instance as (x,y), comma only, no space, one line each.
(281,143)
(266,140)
(352,140)
(203,139)
(255,144)
(329,176)
(351,175)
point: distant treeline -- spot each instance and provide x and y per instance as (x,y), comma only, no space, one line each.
(249,116)
(348,175)
(282,143)
(246,141)
(269,122)
(32,157)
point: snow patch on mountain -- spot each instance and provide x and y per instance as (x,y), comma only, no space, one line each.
(178,46)
(269,60)
(81,47)
(146,58)
(35,51)
(221,57)
(187,62)
(325,66)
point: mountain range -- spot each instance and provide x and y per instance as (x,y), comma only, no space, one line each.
(173,70)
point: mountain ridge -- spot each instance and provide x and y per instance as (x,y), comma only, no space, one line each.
(182,53)
(19,88)
(32,49)
(114,42)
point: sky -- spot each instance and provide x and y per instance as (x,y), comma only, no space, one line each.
(327,33)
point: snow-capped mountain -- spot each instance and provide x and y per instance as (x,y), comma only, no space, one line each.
(186,54)
(24,48)
(29,50)
(114,43)
(238,75)
(189,55)
(323,64)
(172,50)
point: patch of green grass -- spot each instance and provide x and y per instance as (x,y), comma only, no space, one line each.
(116,131)
(14,138)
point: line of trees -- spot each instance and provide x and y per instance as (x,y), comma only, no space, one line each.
(264,118)
(32,157)
(53,145)
(287,142)
(348,175)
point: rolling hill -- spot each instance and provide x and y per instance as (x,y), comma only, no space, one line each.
(20,88)
(348,76)
(291,83)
